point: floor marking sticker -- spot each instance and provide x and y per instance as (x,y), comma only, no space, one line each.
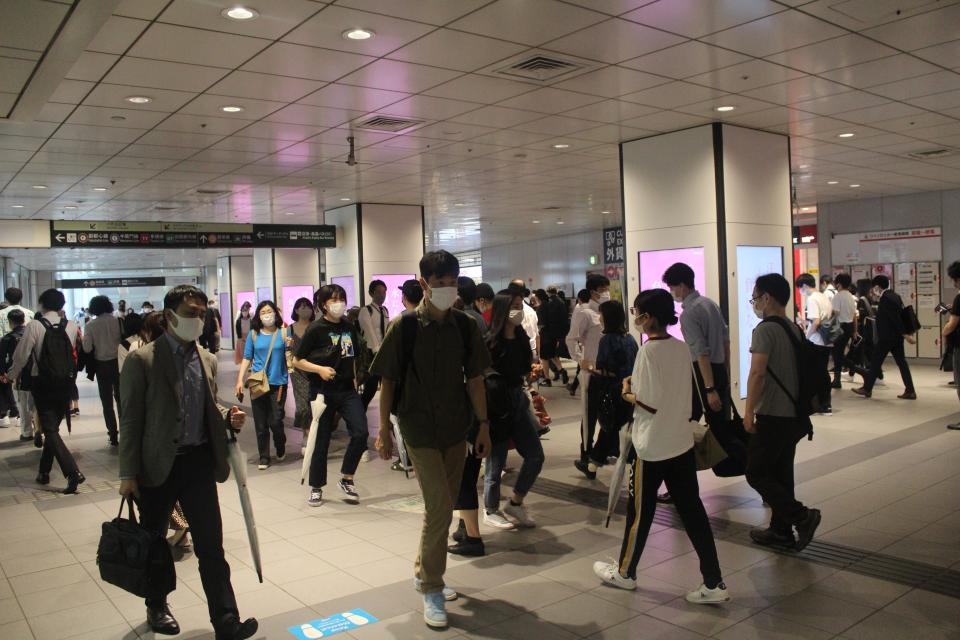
(326,627)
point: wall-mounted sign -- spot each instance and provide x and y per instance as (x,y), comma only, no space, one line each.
(173,235)
(106,283)
(898,245)
(614,251)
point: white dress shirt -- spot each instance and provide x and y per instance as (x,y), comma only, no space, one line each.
(585,332)
(102,336)
(374,319)
(531,326)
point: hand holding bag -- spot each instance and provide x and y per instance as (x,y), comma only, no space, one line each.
(706,449)
(258,383)
(134,558)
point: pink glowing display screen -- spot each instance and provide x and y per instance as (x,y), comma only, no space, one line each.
(654,263)
(289,296)
(349,284)
(245,296)
(394,303)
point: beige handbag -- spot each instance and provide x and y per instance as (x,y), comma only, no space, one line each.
(258,383)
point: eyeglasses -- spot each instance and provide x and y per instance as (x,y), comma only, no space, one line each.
(755,300)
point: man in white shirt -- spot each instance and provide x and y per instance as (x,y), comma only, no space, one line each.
(52,399)
(530,324)
(101,339)
(826,286)
(817,310)
(374,319)
(845,306)
(583,341)
(12,296)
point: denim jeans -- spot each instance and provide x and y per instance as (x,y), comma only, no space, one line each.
(525,438)
(345,401)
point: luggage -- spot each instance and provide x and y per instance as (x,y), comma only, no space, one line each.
(135,559)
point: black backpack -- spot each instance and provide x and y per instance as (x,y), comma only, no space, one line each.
(409,327)
(56,366)
(811,372)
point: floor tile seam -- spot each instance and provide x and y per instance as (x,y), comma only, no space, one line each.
(911,609)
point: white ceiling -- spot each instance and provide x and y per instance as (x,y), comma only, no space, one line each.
(118,260)
(483,164)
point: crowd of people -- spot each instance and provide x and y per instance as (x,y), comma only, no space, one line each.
(457,374)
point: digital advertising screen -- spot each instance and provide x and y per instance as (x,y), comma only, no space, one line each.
(752,262)
(349,284)
(245,296)
(654,263)
(289,296)
(394,303)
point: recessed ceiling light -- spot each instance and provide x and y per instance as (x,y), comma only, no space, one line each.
(561,146)
(458,204)
(231,108)
(604,212)
(16,206)
(535,221)
(846,135)
(139,99)
(833,182)
(560,222)
(39,186)
(806,209)
(854,186)
(344,199)
(70,207)
(724,108)
(804,166)
(239,13)
(358,34)
(290,213)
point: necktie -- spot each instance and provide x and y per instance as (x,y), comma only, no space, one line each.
(383,323)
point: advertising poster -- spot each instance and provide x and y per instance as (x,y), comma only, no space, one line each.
(654,263)
(752,262)
(349,284)
(394,303)
(245,296)
(289,296)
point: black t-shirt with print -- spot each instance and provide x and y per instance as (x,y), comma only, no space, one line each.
(329,344)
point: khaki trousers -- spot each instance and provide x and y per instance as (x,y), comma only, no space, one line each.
(439,472)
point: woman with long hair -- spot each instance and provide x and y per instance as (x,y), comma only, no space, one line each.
(303,316)
(265,351)
(661,388)
(241,329)
(512,359)
(328,354)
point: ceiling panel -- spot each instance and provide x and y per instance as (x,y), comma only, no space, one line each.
(195,46)
(772,34)
(530,22)
(697,18)
(327,27)
(614,41)
(456,50)
(276,18)
(685,60)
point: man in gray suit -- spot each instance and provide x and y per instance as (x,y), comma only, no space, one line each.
(173,447)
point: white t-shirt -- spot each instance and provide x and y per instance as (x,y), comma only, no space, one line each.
(531,328)
(586,330)
(662,381)
(818,307)
(845,305)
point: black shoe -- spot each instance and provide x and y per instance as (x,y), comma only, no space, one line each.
(237,630)
(908,395)
(546,382)
(38,441)
(74,480)
(584,468)
(161,621)
(461,533)
(472,547)
(564,376)
(43,478)
(954,427)
(807,527)
(542,431)
(770,537)
(350,495)
(281,452)
(664,498)
(836,385)
(113,440)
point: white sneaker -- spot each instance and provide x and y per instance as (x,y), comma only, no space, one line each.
(703,595)
(610,574)
(4,421)
(519,513)
(497,521)
(448,594)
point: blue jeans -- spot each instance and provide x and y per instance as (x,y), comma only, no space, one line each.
(345,401)
(525,438)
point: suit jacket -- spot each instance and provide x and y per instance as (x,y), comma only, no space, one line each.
(889,321)
(151,413)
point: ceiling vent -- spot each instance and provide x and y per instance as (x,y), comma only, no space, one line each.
(932,154)
(551,208)
(166,207)
(392,124)
(213,192)
(541,67)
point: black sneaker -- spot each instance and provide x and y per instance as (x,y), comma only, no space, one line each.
(543,431)
(472,547)
(584,468)
(26,438)
(114,442)
(38,440)
(461,533)
(74,481)
(43,478)
(807,527)
(770,537)
(281,452)
(349,491)
(954,427)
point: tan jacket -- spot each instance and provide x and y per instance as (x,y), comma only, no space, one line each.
(151,422)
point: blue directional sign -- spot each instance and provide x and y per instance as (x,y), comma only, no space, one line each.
(326,627)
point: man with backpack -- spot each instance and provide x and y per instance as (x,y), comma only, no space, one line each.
(891,332)
(373,322)
(47,348)
(820,322)
(777,414)
(434,358)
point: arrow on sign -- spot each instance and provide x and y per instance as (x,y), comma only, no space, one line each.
(260,235)
(60,237)
(203,239)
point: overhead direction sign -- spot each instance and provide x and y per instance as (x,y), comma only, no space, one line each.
(174,235)
(104,283)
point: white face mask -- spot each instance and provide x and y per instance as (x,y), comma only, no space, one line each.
(336,309)
(443,297)
(516,316)
(604,297)
(757,310)
(268,320)
(187,329)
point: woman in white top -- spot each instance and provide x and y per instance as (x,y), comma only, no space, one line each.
(662,434)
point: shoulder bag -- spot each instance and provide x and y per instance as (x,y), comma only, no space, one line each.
(258,383)
(133,558)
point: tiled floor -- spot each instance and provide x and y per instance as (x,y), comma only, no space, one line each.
(885,473)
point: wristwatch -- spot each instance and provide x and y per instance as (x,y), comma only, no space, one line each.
(710,389)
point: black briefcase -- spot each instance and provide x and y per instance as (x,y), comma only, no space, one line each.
(135,559)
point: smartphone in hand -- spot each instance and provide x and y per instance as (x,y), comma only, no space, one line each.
(240,397)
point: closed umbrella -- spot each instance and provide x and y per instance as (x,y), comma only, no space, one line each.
(619,470)
(317,406)
(401,447)
(238,465)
